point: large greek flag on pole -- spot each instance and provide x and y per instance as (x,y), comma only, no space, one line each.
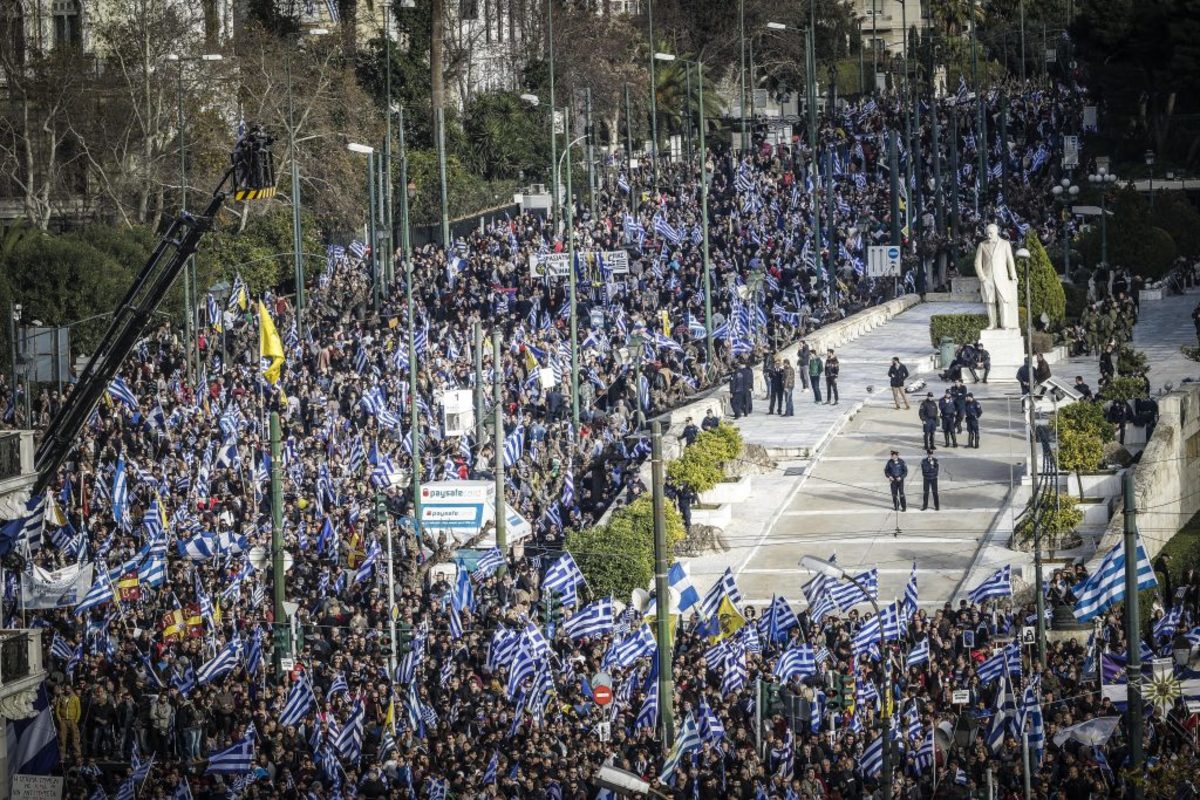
(1106,586)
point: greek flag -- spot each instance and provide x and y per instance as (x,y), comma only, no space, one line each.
(1031,722)
(300,700)
(33,741)
(687,741)
(918,655)
(120,494)
(962,94)
(25,533)
(909,607)
(119,390)
(999,664)
(1004,717)
(367,568)
(648,716)
(205,545)
(726,586)
(594,619)
(871,761)
(623,183)
(798,661)
(866,637)
(711,727)
(349,741)
(998,584)
(234,760)
(493,765)
(892,621)
(221,664)
(385,474)
(1166,626)
(514,446)
(100,594)
(638,644)
(666,230)
(1106,586)
(847,595)
(680,580)
(925,755)
(487,564)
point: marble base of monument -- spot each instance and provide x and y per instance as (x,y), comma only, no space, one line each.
(1007,349)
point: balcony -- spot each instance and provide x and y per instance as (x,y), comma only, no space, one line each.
(16,472)
(21,666)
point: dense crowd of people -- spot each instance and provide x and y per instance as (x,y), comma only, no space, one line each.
(158,685)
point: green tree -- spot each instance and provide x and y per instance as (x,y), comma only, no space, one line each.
(1046,292)
(509,138)
(1057,517)
(1086,418)
(1176,215)
(261,252)
(618,557)
(1079,452)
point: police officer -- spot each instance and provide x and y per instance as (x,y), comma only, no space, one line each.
(948,413)
(928,414)
(972,411)
(959,392)
(895,470)
(929,474)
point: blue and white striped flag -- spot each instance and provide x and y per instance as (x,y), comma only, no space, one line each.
(919,654)
(233,760)
(1106,586)
(998,584)
(514,445)
(594,619)
(300,700)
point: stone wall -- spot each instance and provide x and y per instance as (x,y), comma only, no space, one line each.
(1166,481)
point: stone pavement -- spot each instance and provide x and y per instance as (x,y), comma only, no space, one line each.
(1163,327)
(835,499)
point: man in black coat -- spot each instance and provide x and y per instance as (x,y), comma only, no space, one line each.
(948,411)
(897,375)
(927,412)
(972,411)
(735,393)
(929,475)
(895,470)
(747,389)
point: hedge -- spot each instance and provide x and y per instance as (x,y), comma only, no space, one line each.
(1046,290)
(1122,388)
(618,557)
(962,328)
(1084,417)
(1079,451)
(702,465)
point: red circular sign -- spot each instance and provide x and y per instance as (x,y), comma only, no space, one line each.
(603,695)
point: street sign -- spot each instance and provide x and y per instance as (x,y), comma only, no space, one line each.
(602,694)
(883,261)
(961,697)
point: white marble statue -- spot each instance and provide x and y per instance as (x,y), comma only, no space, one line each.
(997,280)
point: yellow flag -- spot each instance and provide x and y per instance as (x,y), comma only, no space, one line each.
(390,720)
(54,513)
(269,345)
(531,362)
(729,618)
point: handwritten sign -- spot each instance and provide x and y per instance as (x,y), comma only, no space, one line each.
(37,787)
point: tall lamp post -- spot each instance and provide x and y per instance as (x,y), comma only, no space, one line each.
(1065,193)
(708,345)
(1149,156)
(1022,255)
(831,570)
(191,299)
(1102,179)
(372,234)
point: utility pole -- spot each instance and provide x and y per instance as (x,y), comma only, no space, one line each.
(555,207)
(831,274)
(587,129)
(283,631)
(939,200)
(666,678)
(654,99)
(894,186)
(414,430)
(570,234)
(405,237)
(440,124)
(633,186)
(297,230)
(1034,475)
(708,344)
(477,395)
(1137,759)
(381,510)
(498,447)
(741,71)
(193,368)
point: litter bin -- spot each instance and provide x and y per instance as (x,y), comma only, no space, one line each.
(946,354)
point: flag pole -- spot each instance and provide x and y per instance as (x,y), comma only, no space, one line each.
(666,679)
(1133,672)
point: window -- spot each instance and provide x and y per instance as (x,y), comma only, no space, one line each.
(67,30)
(12,32)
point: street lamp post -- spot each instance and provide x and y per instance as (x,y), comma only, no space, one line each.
(1149,156)
(1023,259)
(654,99)
(555,208)
(191,299)
(831,570)
(369,151)
(708,345)
(570,234)
(1064,192)
(1102,179)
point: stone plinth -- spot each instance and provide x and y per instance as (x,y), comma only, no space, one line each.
(966,288)
(1007,350)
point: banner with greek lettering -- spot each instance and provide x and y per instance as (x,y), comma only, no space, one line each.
(63,588)
(556,265)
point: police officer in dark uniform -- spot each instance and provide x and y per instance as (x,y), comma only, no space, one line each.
(959,392)
(928,414)
(929,474)
(972,411)
(737,391)
(895,470)
(948,414)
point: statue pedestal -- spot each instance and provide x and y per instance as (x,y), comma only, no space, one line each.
(1007,349)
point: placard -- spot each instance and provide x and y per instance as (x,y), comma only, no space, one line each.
(961,697)
(37,787)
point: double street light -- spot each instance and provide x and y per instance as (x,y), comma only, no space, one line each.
(832,570)
(1065,193)
(1149,157)
(708,345)
(1102,179)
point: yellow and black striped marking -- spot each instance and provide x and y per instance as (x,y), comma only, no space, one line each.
(254,194)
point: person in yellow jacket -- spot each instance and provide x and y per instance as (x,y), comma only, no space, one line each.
(66,714)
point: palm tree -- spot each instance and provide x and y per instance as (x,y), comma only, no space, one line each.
(675,94)
(953,17)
